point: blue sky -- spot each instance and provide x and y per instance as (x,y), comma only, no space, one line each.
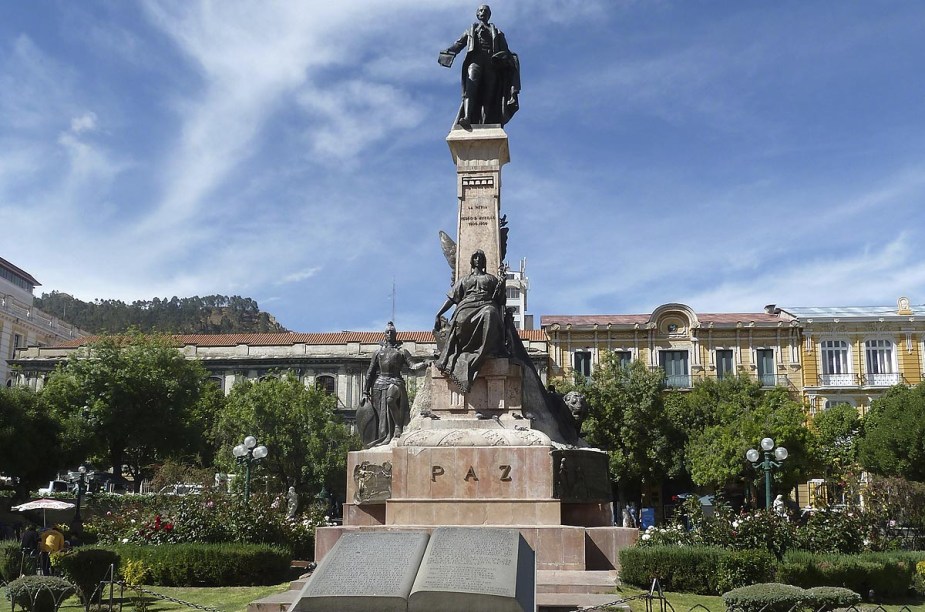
(726,155)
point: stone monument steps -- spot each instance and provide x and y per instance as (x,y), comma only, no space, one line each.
(279,602)
(569,581)
(296,585)
(546,601)
(567,602)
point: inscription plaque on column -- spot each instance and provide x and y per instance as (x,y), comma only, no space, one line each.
(478,223)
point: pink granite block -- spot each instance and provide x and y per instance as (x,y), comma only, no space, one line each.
(538,483)
(477,513)
(424,512)
(367,514)
(397,512)
(420,478)
(548,548)
(325,538)
(547,512)
(444,513)
(520,472)
(603,545)
(466,460)
(400,473)
(494,487)
(442,486)
(573,548)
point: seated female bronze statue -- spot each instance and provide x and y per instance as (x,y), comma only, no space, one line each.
(476,329)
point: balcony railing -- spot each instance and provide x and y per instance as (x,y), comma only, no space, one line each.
(774,380)
(882,380)
(678,381)
(838,380)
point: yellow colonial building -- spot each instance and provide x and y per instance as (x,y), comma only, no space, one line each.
(688,345)
(852,354)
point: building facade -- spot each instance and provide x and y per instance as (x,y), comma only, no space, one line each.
(335,362)
(21,324)
(853,354)
(688,345)
(518,285)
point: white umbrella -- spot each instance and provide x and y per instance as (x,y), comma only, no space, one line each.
(43,505)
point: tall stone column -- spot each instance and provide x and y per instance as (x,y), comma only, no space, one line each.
(479,155)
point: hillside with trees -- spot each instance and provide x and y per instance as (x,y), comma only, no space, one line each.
(212,314)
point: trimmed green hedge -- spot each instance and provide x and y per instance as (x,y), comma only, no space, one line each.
(40,593)
(712,570)
(209,564)
(86,568)
(776,597)
(766,597)
(695,569)
(889,575)
(12,563)
(830,598)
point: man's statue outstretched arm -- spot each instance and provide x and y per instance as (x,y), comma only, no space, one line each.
(446,57)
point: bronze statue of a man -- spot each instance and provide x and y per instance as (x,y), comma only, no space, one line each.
(490,73)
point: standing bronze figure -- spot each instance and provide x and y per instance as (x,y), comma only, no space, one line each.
(476,329)
(490,73)
(385,413)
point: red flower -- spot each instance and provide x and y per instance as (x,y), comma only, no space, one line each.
(168,526)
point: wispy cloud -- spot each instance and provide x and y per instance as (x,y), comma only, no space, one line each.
(299,276)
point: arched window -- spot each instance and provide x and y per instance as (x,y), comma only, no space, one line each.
(836,364)
(879,358)
(325,383)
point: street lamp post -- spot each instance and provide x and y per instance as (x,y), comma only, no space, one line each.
(769,463)
(248,452)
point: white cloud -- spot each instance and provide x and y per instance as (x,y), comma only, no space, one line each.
(356,114)
(299,276)
(84,123)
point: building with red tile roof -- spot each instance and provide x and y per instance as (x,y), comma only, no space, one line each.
(687,344)
(335,361)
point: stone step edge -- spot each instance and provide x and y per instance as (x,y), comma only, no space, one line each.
(280,602)
(548,582)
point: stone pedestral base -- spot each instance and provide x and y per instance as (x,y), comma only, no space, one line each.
(496,392)
(559,547)
(527,487)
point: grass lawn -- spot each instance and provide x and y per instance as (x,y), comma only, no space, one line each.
(227,599)
(682,602)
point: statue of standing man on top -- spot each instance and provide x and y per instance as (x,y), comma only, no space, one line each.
(490,73)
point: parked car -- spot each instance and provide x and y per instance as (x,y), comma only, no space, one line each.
(55,486)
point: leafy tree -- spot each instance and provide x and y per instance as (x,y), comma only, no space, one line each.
(131,400)
(836,447)
(893,443)
(30,446)
(627,419)
(307,440)
(744,415)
